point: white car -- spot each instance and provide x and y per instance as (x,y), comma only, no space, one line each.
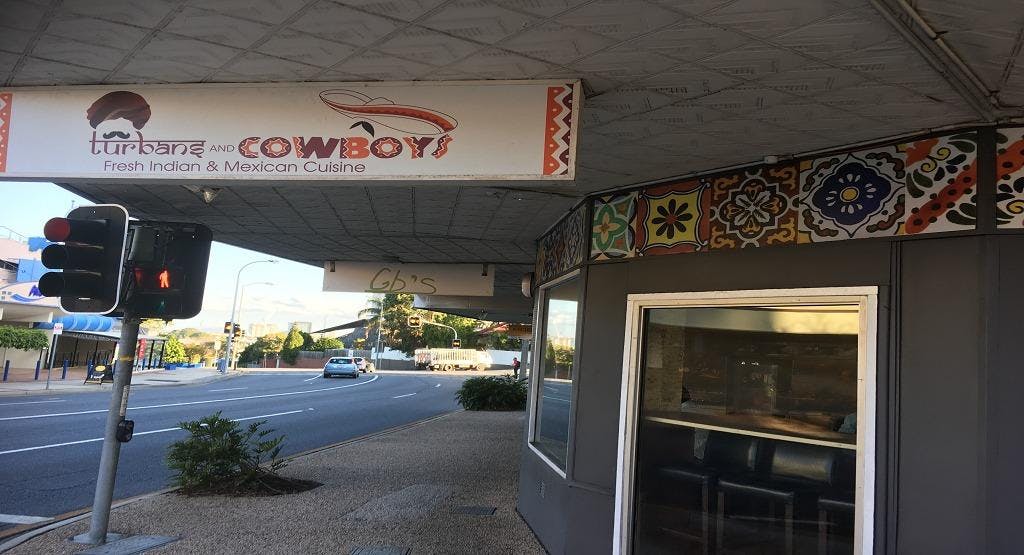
(364,365)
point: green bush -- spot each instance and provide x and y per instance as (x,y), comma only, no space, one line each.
(25,339)
(492,393)
(219,456)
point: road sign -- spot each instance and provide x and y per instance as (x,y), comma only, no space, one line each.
(524,331)
(456,343)
(415,321)
(58,328)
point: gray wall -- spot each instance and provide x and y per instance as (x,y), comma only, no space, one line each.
(939,452)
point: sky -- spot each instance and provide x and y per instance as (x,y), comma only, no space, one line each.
(296,293)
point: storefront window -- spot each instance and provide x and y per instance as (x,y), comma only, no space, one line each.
(554,387)
(747,436)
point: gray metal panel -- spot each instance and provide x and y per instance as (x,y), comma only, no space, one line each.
(940,428)
(1005,392)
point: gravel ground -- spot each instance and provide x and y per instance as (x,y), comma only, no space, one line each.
(400,490)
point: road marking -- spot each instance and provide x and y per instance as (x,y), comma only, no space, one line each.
(227,389)
(313,378)
(23,519)
(163,430)
(557,399)
(31,402)
(438,385)
(406,395)
(225,400)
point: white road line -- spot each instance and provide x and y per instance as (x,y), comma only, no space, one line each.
(22,519)
(438,385)
(406,395)
(313,378)
(95,439)
(227,389)
(557,399)
(229,399)
(31,402)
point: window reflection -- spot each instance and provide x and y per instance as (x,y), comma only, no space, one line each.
(747,438)
(554,390)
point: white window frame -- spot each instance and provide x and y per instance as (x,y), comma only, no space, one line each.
(536,371)
(867,300)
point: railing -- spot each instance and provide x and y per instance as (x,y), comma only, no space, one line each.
(8,233)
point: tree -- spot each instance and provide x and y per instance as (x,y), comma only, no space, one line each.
(154,326)
(504,342)
(174,351)
(266,345)
(292,344)
(195,352)
(325,343)
(438,337)
(25,339)
(307,342)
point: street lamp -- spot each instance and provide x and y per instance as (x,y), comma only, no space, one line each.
(223,366)
(241,301)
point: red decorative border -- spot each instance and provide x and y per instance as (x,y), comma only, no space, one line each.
(5,127)
(557,130)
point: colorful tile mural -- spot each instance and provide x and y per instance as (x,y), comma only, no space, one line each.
(673,218)
(942,177)
(1010,177)
(613,231)
(852,195)
(922,186)
(563,247)
(754,208)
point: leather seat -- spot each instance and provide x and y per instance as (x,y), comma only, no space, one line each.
(795,471)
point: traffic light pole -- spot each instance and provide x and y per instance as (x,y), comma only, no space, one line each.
(97,533)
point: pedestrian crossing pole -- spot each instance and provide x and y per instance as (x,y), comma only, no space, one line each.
(100,519)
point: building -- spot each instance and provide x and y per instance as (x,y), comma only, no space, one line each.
(304,327)
(259,329)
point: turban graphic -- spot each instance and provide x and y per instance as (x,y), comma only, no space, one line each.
(119,104)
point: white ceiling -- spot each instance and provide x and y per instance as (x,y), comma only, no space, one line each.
(673,87)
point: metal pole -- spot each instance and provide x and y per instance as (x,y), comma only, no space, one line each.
(223,366)
(49,359)
(97,533)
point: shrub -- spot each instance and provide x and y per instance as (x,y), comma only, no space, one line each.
(492,393)
(219,456)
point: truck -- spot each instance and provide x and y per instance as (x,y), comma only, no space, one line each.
(452,359)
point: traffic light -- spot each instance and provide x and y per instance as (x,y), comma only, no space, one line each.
(456,343)
(238,331)
(89,249)
(227,327)
(167,269)
(414,321)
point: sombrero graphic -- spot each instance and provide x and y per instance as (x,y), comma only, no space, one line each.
(383,111)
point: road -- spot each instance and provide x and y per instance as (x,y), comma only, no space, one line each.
(50,445)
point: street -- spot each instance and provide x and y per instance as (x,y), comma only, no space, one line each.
(50,445)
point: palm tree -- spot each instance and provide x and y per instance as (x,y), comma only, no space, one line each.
(372,313)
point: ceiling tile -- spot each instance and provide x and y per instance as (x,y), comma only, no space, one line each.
(624,64)
(494,63)
(14,40)
(687,81)
(165,70)
(691,40)
(43,72)
(185,50)
(478,20)
(754,61)
(142,14)
(216,27)
(768,19)
(95,31)
(18,14)
(619,19)
(381,67)
(340,23)
(839,35)
(557,43)
(260,65)
(427,46)
(267,11)
(406,10)
(301,47)
(90,55)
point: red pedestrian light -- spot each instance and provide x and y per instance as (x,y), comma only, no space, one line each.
(164,279)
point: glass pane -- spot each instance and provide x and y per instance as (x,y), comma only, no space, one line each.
(554,399)
(710,377)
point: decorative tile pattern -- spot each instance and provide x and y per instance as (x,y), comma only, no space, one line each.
(852,195)
(613,231)
(5,127)
(755,208)
(557,131)
(942,175)
(1010,177)
(673,218)
(563,247)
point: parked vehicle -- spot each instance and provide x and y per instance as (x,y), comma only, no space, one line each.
(341,366)
(452,359)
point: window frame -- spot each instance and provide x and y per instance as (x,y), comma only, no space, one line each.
(537,370)
(867,338)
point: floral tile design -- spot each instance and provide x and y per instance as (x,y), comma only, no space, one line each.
(942,175)
(563,247)
(755,208)
(852,195)
(613,231)
(673,218)
(1010,177)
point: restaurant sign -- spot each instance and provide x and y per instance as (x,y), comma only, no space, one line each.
(307,131)
(418,279)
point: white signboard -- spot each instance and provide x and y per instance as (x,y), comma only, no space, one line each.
(58,328)
(303,131)
(421,279)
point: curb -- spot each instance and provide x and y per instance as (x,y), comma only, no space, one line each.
(93,388)
(27,532)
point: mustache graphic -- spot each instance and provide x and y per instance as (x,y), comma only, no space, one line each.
(119,134)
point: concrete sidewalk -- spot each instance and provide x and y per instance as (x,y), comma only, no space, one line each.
(180,376)
(408,489)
